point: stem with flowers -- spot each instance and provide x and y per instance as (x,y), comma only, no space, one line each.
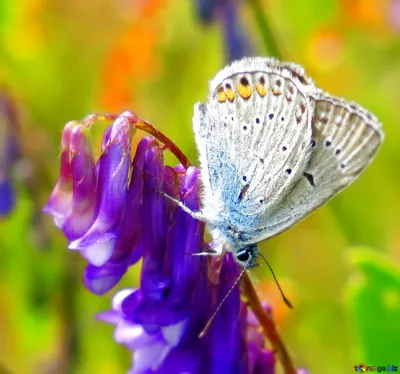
(113,213)
(265,318)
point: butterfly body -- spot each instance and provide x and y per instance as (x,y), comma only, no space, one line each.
(272,149)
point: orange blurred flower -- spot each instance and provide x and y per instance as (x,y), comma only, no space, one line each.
(368,14)
(268,291)
(133,58)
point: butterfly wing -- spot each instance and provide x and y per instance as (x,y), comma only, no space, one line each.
(346,137)
(254,140)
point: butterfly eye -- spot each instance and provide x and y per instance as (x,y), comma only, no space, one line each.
(244,256)
(247,256)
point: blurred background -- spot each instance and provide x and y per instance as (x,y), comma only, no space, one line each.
(61,60)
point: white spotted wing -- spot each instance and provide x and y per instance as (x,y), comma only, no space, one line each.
(253,135)
(273,148)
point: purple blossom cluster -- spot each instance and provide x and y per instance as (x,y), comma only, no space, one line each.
(114,211)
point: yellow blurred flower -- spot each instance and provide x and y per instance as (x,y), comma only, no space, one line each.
(325,50)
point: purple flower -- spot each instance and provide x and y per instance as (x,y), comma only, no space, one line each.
(115,212)
(227,13)
(233,344)
(60,199)
(97,243)
(88,200)
(206,9)
(81,212)
(237,43)
(128,248)
(9,153)
(161,321)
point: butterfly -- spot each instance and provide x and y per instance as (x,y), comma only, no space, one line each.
(273,148)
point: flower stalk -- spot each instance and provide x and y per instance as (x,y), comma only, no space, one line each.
(267,324)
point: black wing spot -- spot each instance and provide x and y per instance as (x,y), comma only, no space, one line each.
(337,151)
(261,201)
(262,80)
(243,191)
(244,128)
(323,120)
(312,143)
(232,118)
(228,86)
(299,77)
(244,178)
(288,171)
(342,166)
(271,115)
(262,160)
(284,148)
(282,119)
(310,178)
(328,143)
(257,120)
(244,81)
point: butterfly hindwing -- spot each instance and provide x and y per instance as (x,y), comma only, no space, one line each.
(345,139)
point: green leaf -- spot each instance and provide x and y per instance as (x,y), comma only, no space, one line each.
(374,302)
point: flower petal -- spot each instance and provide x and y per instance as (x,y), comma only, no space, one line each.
(188,239)
(60,199)
(155,226)
(265,363)
(7,197)
(98,242)
(130,228)
(82,212)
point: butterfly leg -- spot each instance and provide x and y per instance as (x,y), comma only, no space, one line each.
(206,254)
(196,215)
(210,251)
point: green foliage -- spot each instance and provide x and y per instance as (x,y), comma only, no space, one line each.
(374,304)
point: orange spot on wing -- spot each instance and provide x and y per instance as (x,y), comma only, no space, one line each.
(262,90)
(244,91)
(221,96)
(276,92)
(230,94)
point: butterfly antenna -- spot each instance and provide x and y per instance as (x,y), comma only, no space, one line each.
(207,326)
(285,299)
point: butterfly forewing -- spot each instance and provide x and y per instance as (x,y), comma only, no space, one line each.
(253,136)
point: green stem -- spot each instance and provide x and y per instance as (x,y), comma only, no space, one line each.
(270,43)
